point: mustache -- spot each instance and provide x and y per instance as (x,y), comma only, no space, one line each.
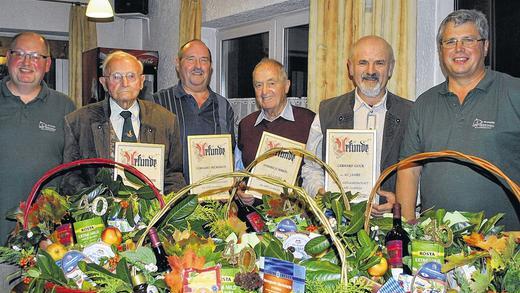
(372,77)
(197,71)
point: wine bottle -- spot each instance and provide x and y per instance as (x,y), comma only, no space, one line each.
(158,250)
(139,284)
(250,216)
(396,242)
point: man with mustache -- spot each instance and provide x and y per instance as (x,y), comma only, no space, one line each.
(476,111)
(31,126)
(369,106)
(199,110)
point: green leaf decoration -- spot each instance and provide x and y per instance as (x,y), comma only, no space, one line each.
(512,280)
(364,239)
(356,220)
(133,179)
(372,261)
(317,245)
(490,223)
(481,282)
(122,271)
(94,191)
(457,260)
(48,268)
(104,176)
(183,208)
(337,208)
(143,255)
(323,271)
(145,192)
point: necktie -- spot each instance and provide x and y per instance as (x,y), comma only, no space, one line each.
(128,134)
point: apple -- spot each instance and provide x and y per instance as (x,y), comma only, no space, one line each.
(112,235)
(56,251)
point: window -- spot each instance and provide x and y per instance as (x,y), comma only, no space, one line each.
(284,38)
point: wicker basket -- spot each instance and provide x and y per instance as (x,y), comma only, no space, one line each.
(240,175)
(448,154)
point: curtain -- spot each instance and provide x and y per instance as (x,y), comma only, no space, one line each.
(335,25)
(190,20)
(82,37)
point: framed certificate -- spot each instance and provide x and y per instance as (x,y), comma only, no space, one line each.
(145,157)
(352,155)
(284,165)
(210,155)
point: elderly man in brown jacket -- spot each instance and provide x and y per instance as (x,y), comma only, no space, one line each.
(92,131)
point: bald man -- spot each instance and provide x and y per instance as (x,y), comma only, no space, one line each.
(370,67)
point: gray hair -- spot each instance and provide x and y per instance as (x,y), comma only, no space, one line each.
(281,70)
(462,16)
(120,55)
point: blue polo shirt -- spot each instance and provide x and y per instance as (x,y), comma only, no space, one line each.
(486,125)
(31,140)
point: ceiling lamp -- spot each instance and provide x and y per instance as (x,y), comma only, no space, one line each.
(99,9)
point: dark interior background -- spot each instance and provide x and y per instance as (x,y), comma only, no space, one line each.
(504,32)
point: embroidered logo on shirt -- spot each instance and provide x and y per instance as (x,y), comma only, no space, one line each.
(47,127)
(481,124)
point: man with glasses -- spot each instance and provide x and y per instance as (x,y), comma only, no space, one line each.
(92,131)
(199,110)
(476,111)
(31,122)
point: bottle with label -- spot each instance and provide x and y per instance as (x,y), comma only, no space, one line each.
(140,286)
(250,216)
(158,250)
(396,242)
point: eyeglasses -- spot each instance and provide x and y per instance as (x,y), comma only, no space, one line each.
(33,56)
(466,42)
(117,77)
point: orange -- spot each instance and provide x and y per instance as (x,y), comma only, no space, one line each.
(379,269)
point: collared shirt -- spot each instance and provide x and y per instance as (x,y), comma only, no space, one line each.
(371,117)
(313,175)
(286,114)
(117,120)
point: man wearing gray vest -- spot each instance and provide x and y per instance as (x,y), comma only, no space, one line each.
(369,106)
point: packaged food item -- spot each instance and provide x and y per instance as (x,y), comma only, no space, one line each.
(203,280)
(64,234)
(97,251)
(89,231)
(429,279)
(296,245)
(426,251)
(69,265)
(282,276)
(227,276)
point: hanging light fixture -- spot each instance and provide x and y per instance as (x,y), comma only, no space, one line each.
(99,9)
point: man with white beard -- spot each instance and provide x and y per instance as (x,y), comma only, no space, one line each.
(369,106)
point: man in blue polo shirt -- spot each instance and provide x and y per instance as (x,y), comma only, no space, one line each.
(476,111)
(198,109)
(31,126)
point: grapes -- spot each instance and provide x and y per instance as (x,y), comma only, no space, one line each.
(248,281)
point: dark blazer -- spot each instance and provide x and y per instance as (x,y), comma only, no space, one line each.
(338,113)
(88,132)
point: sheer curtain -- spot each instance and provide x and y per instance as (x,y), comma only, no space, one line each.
(335,25)
(82,37)
(190,20)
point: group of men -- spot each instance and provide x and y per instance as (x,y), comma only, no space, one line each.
(475,111)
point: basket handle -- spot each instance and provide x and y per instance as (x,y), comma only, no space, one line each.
(241,174)
(91,161)
(304,154)
(428,155)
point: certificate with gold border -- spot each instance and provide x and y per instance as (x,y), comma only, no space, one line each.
(284,165)
(210,155)
(352,155)
(146,157)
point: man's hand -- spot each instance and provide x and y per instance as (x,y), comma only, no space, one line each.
(321,191)
(379,210)
(247,199)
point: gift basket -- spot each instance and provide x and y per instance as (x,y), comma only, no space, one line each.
(452,251)
(57,235)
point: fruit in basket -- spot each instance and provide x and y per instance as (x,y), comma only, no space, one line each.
(56,251)
(379,269)
(112,235)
